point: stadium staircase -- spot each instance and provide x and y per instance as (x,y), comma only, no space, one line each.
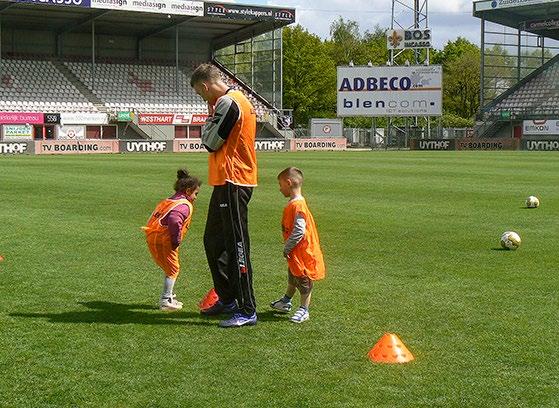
(534,97)
(84,90)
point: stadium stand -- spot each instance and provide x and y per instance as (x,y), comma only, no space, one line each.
(140,88)
(38,86)
(535,96)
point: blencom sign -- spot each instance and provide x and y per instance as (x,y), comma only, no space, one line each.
(390,91)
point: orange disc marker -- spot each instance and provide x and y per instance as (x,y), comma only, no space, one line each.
(390,349)
(209,300)
(1,258)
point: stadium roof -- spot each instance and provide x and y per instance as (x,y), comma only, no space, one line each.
(221,24)
(535,16)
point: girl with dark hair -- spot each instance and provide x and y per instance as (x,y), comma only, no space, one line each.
(165,231)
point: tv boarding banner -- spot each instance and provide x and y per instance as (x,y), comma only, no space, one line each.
(76,146)
(174,7)
(318,143)
(390,91)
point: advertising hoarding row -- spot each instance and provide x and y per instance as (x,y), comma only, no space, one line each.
(93,146)
(503,4)
(485,144)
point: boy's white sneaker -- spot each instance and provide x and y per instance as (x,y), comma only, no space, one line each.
(300,316)
(170,304)
(281,306)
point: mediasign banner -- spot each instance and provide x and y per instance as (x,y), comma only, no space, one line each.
(70,3)
(319,144)
(20,118)
(172,119)
(84,118)
(540,127)
(405,39)
(390,91)
(502,4)
(243,12)
(142,146)
(17,132)
(188,146)
(487,144)
(76,146)
(71,132)
(16,147)
(432,144)
(172,7)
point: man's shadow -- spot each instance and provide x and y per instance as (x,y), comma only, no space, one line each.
(121,313)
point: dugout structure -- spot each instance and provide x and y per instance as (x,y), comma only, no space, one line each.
(519,65)
(117,56)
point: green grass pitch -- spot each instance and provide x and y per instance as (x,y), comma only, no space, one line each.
(411,245)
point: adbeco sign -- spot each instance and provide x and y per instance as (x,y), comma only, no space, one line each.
(171,119)
(20,118)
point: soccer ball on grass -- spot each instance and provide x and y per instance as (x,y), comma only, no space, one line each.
(510,240)
(532,202)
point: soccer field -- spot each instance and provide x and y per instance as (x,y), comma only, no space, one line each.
(411,244)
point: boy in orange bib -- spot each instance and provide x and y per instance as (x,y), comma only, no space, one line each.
(302,246)
(165,230)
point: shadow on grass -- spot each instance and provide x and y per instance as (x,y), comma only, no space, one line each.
(121,313)
(272,316)
(500,249)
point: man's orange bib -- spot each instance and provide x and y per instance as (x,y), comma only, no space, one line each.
(235,161)
(306,258)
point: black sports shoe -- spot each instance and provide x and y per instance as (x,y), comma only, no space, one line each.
(220,308)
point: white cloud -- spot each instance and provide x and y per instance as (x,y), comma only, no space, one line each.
(448,19)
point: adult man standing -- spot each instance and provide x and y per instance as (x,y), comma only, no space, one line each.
(229,137)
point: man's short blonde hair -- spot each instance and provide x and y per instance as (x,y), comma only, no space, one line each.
(205,73)
(292,173)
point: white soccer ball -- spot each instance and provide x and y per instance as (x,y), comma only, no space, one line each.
(510,240)
(532,202)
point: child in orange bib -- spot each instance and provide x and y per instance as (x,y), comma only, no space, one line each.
(165,230)
(302,246)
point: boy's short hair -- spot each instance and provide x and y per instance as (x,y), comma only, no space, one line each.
(292,173)
(205,73)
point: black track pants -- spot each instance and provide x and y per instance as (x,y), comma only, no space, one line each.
(227,245)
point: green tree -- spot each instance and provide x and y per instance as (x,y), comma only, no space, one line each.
(309,76)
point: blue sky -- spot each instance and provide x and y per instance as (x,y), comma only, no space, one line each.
(448,19)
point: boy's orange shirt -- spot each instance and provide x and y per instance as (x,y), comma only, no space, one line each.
(306,258)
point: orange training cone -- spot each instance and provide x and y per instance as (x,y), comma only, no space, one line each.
(209,300)
(390,349)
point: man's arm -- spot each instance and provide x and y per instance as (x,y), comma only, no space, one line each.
(218,127)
